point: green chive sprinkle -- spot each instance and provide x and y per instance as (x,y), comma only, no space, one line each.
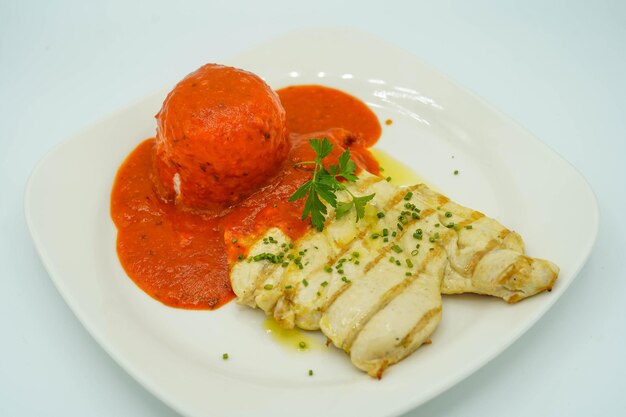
(234,241)
(396,248)
(375,235)
(380,215)
(310,372)
(241,257)
(408,196)
(325,283)
(268,286)
(456,172)
(355,254)
(409,263)
(225,356)
(288,287)
(408,274)
(302,345)
(448,214)
(328,268)
(432,239)
(385,232)
(388,179)
(469,227)
(414,252)
(305,282)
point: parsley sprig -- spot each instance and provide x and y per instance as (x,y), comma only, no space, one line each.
(325,184)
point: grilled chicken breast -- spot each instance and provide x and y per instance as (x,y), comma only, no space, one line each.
(374,287)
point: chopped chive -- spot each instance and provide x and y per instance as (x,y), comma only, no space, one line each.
(393,234)
(328,268)
(357,261)
(285,264)
(388,179)
(408,274)
(437,225)
(305,282)
(302,345)
(385,232)
(400,226)
(448,214)
(318,293)
(375,235)
(340,271)
(456,227)
(233,241)
(310,372)
(288,287)
(392,259)
(409,263)
(456,172)
(325,283)
(398,262)
(380,215)
(225,356)
(432,239)
(396,248)
(408,196)
(414,252)
(415,215)
(450,225)
(355,254)
(346,280)
(386,240)
(469,227)
(268,286)
(241,257)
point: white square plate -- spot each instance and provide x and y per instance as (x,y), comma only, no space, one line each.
(505,172)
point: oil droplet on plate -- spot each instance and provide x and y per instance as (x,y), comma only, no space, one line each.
(400,173)
(295,338)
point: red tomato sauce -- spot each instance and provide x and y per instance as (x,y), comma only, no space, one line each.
(181,258)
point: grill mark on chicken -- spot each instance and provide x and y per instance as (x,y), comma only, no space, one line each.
(408,339)
(383,301)
(383,253)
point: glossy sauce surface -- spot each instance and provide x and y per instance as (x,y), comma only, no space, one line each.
(181,258)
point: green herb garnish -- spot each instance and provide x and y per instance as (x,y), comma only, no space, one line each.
(325,184)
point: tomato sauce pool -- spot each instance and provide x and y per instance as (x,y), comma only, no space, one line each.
(181,258)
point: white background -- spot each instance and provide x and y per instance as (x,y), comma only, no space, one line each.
(557,68)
